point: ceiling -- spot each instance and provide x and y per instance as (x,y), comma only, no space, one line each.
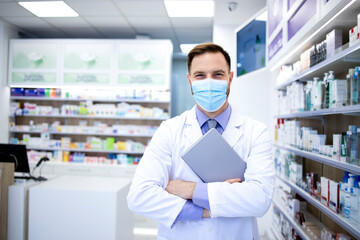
(126,19)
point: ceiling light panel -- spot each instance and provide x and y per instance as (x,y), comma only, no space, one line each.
(189,8)
(49,9)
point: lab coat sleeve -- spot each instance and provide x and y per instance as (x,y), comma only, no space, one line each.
(251,198)
(147,195)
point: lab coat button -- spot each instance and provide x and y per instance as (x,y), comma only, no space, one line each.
(210,229)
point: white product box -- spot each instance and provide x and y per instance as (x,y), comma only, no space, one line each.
(333,195)
(353,36)
(333,41)
(336,146)
(324,191)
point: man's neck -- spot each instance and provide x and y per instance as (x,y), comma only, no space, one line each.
(213,115)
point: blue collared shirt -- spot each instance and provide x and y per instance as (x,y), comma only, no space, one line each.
(193,210)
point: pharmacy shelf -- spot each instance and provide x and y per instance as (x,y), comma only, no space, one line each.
(273,234)
(88,99)
(322,159)
(349,226)
(294,224)
(84,164)
(343,16)
(348,110)
(85,134)
(82,150)
(93,117)
(337,63)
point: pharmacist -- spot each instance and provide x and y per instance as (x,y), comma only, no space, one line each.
(165,189)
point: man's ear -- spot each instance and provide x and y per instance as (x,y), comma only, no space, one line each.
(189,81)
(231,76)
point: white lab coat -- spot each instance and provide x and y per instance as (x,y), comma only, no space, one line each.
(234,207)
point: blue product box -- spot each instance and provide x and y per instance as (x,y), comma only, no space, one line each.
(17,92)
(41,92)
(30,92)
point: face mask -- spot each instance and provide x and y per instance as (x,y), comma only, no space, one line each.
(210,94)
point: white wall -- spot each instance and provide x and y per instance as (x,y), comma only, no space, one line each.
(6,32)
(251,94)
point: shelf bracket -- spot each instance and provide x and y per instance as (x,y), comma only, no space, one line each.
(351,59)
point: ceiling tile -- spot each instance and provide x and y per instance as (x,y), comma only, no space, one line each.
(149,22)
(82,32)
(142,8)
(193,32)
(107,21)
(245,9)
(27,22)
(12,9)
(194,36)
(75,22)
(192,22)
(96,8)
(118,32)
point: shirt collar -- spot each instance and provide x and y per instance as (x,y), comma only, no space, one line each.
(222,118)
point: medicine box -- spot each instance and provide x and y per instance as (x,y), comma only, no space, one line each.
(333,195)
(324,191)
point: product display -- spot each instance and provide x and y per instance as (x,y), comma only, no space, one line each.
(84,141)
(342,198)
(315,95)
(345,147)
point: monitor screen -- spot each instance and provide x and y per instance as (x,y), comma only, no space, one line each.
(17,154)
(250,47)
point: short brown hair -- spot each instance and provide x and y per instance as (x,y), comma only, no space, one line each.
(204,48)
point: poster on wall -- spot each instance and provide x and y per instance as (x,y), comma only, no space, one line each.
(250,47)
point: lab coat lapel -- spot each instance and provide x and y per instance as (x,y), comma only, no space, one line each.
(192,130)
(233,131)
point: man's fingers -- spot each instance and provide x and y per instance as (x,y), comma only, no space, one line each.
(233,180)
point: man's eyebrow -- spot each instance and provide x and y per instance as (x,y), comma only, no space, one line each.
(198,72)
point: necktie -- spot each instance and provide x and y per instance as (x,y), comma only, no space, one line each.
(211,123)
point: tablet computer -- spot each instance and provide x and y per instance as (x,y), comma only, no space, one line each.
(213,159)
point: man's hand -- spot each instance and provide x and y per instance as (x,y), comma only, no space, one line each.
(233,180)
(206,213)
(181,188)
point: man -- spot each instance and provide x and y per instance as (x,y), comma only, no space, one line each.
(164,187)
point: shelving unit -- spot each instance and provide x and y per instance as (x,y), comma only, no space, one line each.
(322,159)
(83,150)
(120,76)
(341,60)
(276,235)
(333,14)
(95,117)
(344,12)
(348,225)
(86,134)
(348,110)
(295,225)
(94,100)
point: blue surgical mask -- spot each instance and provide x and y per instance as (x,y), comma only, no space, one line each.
(210,94)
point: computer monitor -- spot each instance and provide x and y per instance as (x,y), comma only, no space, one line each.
(17,154)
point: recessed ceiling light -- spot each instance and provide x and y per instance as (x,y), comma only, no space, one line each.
(186,48)
(49,9)
(189,8)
